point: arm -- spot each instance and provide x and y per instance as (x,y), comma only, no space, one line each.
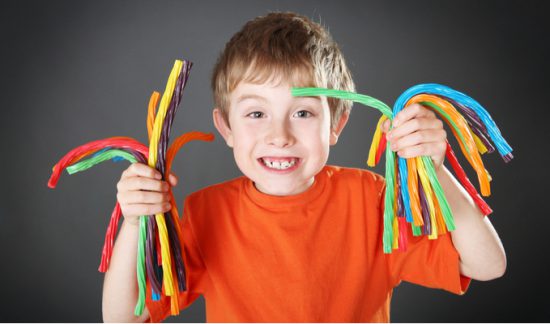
(482,255)
(140,192)
(416,132)
(120,291)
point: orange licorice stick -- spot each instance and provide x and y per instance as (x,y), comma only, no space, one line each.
(151,112)
(182,140)
(459,120)
(412,182)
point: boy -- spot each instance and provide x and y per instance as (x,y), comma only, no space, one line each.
(295,239)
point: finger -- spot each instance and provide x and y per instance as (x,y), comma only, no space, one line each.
(414,125)
(434,149)
(410,112)
(146,209)
(419,137)
(142,170)
(140,183)
(142,197)
(173,179)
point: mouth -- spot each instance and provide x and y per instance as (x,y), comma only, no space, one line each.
(279,164)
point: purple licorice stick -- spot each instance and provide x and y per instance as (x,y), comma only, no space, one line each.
(475,124)
(170,114)
(175,242)
(400,209)
(426,228)
(161,162)
(150,260)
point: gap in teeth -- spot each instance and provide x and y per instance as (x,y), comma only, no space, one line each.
(279,165)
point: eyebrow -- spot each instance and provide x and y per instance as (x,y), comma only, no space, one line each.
(250,96)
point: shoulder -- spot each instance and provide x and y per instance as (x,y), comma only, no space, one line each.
(368,180)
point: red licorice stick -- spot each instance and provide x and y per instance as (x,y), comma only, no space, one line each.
(381,148)
(461,175)
(110,239)
(78,153)
(402,223)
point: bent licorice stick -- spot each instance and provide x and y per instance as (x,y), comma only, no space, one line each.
(413,192)
(159,255)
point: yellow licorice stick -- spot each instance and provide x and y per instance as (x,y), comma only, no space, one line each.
(423,175)
(371,161)
(167,277)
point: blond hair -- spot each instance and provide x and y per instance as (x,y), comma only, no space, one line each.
(282,46)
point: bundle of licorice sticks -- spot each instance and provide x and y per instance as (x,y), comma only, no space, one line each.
(159,260)
(413,193)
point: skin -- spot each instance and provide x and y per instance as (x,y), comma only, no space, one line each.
(266,121)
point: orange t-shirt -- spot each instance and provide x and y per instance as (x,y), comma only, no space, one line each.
(312,257)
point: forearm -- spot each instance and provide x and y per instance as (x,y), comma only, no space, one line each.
(481,252)
(120,291)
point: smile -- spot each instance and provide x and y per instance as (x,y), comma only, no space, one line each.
(279,163)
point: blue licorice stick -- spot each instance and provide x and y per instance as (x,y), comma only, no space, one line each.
(403,179)
(437,89)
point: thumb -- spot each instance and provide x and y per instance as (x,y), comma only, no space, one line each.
(173,180)
(385,126)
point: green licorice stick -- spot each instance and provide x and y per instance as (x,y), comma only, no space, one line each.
(102,157)
(389,213)
(355,97)
(141,266)
(439,193)
(417,230)
(389,199)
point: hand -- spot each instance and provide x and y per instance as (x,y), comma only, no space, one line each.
(142,192)
(416,132)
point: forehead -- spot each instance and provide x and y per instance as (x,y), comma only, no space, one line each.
(268,92)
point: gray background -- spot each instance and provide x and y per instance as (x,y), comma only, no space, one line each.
(72,72)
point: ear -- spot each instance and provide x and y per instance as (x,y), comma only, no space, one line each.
(335,132)
(222,127)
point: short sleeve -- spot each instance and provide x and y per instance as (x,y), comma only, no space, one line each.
(429,263)
(196,274)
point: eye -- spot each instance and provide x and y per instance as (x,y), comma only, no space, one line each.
(303,114)
(256,114)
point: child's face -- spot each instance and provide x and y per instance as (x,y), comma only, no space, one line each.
(280,142)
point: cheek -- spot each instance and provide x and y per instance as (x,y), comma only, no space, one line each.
(244,141)
(316,138)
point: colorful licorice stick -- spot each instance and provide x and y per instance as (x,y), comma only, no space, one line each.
(440,90)
(160,263)
(152,161)
(173,215)
(163,235)
(413,193)
(89,148)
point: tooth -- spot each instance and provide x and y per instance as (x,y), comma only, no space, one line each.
(285,164)
(276,164)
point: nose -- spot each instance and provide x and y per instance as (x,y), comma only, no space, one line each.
(280,135)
